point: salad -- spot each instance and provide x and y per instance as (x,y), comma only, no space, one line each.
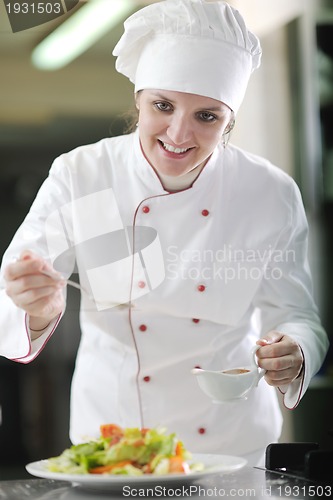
(129,451)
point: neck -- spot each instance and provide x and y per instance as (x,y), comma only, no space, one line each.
(179,183)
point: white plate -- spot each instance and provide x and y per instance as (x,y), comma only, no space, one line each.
(214,464)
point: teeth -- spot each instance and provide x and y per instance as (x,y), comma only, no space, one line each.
(174,150)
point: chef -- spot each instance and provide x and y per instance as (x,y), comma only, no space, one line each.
(189,249)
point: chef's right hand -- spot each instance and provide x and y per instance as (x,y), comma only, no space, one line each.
(40,296)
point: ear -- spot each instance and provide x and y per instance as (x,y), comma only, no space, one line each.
(230,126)
(137,100)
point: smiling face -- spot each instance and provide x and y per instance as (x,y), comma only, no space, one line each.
(179,131)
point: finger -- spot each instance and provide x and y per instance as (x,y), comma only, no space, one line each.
(44,305)
(276,363)
(31,282)
(29,265)
(32,295)
(28,254)
(25,299)
(278,382)
(19,268)
(281,377)
(283,347)
(45,266)
(271,338)
(30,288)
(278,367)
(48,270)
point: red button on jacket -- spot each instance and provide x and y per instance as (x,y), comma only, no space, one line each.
(201,288)
(145,209)
(205,212)
(142,328)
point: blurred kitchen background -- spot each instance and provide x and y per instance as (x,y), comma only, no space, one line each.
(287,116)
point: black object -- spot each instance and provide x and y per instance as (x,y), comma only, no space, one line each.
(303,460)
(318,465)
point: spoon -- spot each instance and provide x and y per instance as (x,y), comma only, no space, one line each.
(74,284)
(80,287)
(237,371)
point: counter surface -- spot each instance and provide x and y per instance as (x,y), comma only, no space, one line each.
(245,483)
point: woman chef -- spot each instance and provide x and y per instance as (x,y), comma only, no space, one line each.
(190,250)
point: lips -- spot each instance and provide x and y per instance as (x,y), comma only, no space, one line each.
(172,149)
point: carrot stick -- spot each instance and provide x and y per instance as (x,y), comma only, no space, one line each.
(108,468)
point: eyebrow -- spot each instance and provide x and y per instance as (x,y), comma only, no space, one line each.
(221,109)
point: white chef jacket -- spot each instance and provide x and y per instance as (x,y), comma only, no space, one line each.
(180,280)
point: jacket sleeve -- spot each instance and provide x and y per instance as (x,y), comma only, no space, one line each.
(285,302)
(46,231)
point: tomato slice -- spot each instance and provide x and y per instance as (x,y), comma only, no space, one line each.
(111,430)
(177,465)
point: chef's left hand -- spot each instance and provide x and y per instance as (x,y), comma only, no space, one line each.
(281,356)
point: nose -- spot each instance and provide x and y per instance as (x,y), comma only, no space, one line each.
(180,130)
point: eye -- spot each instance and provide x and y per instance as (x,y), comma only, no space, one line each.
(163,106)
(206,116)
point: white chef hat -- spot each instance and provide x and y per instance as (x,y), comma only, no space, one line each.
(189,46)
